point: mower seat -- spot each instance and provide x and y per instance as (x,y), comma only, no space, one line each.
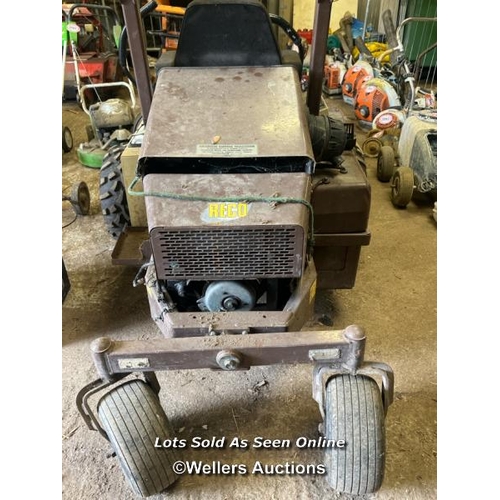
(227,33)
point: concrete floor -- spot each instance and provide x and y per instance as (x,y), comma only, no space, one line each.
(394,299)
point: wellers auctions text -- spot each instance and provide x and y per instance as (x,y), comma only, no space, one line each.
(258,468)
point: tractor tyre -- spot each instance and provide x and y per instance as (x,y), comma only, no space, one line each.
(67,139)
(354,413)
(80,198)
(402,187)
(112,192)
(385,164)
(134,420)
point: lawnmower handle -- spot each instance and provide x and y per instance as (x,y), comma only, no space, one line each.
(93,7)
(105,85)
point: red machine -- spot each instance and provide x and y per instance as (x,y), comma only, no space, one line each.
(335,72)
(91,56)
(354,77)
(374,96)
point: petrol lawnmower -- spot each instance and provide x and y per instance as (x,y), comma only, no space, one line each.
(410,163)
(111,125)
(112,122)
(412,168)
(112,119)
(250,203)
(92,32)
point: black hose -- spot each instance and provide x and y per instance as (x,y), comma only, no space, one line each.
(291,33)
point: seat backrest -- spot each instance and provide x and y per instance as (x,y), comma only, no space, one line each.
(227,33)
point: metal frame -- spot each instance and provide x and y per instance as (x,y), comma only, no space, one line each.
(408,76)
(82,399)
(333,353)
(91,7)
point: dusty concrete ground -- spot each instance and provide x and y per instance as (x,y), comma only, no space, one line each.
(394,299)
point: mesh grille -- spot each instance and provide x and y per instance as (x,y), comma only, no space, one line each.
(228,253)
(379,102)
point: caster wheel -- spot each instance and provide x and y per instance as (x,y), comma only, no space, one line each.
(371,147)
(385,164)
(67,140)
(80,198)
(402,187)
(354,413)
(133,419)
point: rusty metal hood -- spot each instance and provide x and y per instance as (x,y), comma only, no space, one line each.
(233,112)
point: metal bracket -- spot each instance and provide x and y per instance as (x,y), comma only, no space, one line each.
(323,372)
(82,398)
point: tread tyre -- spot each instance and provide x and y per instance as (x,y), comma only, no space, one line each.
(402,187)
(354,413)
(385,164)
(67,140)
(133,418)
(112,192)
(80,198)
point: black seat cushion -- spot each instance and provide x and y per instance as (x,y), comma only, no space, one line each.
(227,33)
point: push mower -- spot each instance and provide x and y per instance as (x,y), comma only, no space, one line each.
(410,162)
(92,33)
(111,125)
(111,120)
(243,201)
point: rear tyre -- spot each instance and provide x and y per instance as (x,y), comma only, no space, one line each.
(133,419)
(354,413)
(80,198)
(402,187)
(385,164)
(67,140)
(112,192)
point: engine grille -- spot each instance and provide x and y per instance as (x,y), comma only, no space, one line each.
(212,253)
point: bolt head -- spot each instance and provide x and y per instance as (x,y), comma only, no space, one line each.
(102,344)
(354,332)
(228,360)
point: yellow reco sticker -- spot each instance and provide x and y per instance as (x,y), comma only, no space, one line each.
(227,210)
(312,292)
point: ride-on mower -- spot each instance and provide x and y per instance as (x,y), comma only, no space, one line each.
(243,201)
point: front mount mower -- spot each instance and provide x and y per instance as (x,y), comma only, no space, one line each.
(243,201)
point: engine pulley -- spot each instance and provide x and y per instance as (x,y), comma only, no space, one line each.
(228,296)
